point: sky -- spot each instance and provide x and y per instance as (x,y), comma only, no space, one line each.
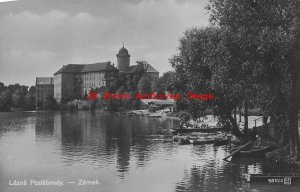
(38,37)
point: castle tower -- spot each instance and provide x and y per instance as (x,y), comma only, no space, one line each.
(123,59)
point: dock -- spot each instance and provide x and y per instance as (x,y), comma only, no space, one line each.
(274,178)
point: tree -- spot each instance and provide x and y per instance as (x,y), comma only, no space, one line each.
(140,71)
(269,42)
(18,98)
(32,90)
(166,82)
(193,74)
(205,65)
(142,67)
(5,100)
(2,87)
(30,101)
(144,85)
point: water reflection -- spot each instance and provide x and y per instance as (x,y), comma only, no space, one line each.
(102,138)
(118,151)
(213,174)
(44,125)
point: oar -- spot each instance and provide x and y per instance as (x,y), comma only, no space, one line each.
(236,151)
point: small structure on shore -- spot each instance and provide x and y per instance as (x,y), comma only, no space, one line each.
(79,105)
(154,104)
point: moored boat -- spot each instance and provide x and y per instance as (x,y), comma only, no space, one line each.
(202,141)
(216,139)
(203,130)
(254,152)
(186,142)
(163,140)
(155,115)
(219,142)
(179,138)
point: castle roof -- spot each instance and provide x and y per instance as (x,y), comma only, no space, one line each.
(70,68)
(80,68)
(44,81)
(105,66)
(123,52)
(150,69)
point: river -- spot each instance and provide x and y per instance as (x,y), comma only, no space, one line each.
(117,152)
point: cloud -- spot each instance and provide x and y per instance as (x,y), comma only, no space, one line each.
(2,1)
(45,40)
(41,44)
(54,31)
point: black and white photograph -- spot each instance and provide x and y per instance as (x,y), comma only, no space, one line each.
(149,95)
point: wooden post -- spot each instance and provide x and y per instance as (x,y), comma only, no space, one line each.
(245,116)
(238,150)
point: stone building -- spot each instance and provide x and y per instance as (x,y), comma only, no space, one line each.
(123,59)
(67,83)
(44,90)
(151,72)
(74,81)
(97,75)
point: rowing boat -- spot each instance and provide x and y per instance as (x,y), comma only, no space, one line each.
(163,140)
(219,142)
(254,152)
(203,130)
(202,141)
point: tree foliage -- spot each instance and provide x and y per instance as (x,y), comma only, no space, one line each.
(268,40)
(205,65)
(251,52)
(17,96)
(5,100)
(166,82)
(130,83)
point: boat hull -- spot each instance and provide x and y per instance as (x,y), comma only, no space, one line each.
(253,152)
(203,130)
(201,142)
(218,142)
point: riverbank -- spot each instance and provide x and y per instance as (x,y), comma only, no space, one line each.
(278,156)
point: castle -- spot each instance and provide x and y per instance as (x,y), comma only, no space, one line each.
(76,80)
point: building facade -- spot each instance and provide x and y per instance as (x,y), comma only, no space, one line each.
(44,90)
(74,81)
(123,60)
(94,76)
(151,72)
(67,83)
